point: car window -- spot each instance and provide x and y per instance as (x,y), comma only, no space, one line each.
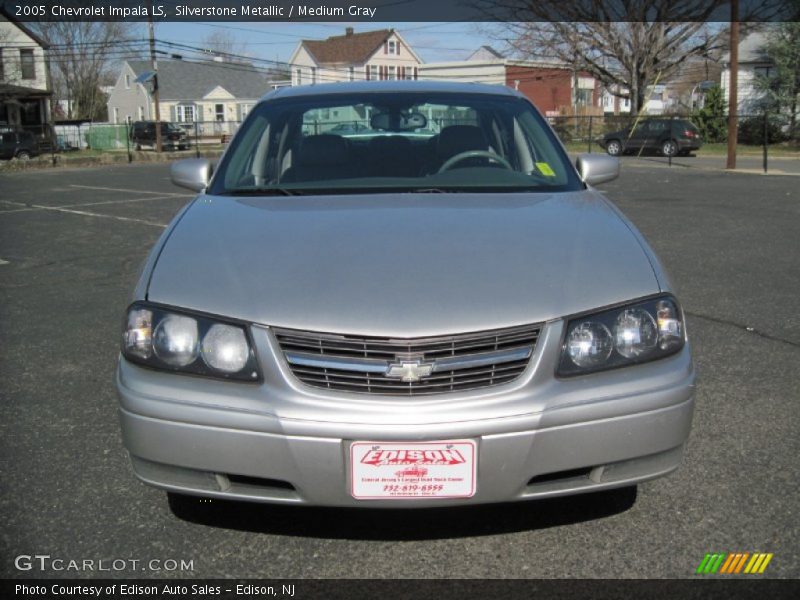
(378,141)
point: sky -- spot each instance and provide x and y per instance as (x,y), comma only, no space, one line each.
(433,42)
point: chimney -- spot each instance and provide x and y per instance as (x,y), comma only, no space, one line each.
(348,31)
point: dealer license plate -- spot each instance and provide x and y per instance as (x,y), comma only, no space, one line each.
(381,470)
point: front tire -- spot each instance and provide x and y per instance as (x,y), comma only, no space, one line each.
(669,148)
(23,155)
(614,147)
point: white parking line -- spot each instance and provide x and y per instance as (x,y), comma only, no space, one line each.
(84,213)
(91,214)
(128,190)
(148,199)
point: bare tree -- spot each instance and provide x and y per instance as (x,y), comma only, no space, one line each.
(83,57)
(626,45)
(225,44)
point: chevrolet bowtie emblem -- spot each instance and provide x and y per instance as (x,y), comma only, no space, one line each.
(409,370)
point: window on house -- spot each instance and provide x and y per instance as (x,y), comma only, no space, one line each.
(185,113)
(219,112)
(243,110)
(298,76)
(392,47)
(141,113)
(373,71)
(352,73)
(27,64)
(116,115)
(2,72)
(313,75)
(763,72)
(127,81)
(392,72)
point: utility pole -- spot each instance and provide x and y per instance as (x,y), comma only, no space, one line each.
(155,82)
(733,87)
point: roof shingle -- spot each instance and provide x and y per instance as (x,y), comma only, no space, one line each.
(348,48)
(186,80)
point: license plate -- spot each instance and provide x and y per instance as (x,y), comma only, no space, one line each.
(380,470)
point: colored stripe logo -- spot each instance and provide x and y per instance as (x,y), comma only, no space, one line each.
(734,563)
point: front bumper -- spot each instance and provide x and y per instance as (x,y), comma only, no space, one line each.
(280,441)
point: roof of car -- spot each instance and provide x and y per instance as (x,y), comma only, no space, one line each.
(350,87)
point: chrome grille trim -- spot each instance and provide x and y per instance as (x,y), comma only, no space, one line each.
(362,364)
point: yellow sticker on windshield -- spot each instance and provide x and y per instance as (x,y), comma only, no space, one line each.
(545,169)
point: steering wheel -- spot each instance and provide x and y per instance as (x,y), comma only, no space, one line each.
(448,164)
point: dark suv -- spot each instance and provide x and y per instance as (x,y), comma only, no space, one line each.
(18,144)
(669,137)
(143,133)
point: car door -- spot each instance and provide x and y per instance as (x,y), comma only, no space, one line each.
(637,136)
(8,143)
(656,134)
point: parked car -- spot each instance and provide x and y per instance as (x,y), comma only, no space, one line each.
(173,137)
(18,143)
(670,137)
(350,129)
(329,310)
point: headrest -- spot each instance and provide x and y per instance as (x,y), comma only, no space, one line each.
(460,138)
(323,150)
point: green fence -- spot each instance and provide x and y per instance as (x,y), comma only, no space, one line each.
(107,137)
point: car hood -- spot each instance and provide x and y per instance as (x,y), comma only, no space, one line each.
(401,264)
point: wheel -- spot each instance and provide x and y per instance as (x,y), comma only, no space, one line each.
(138,147)
(23,155)
(614,147)
(452,161)
(669,148)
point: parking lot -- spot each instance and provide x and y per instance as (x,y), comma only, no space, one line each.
(71,245)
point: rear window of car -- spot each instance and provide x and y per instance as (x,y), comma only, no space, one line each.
(380,141)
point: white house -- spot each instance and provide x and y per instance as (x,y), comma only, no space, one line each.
(753,62)
(213,94)
(24,78)
(370,55)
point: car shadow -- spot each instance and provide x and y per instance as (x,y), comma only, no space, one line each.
(402,525)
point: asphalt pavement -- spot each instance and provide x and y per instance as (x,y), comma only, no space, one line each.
(71,245)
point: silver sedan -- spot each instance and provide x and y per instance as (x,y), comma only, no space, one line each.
(439,311)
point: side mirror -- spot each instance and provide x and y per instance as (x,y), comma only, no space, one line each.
(191,173)
(597,168)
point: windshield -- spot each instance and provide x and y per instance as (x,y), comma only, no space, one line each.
(381,141)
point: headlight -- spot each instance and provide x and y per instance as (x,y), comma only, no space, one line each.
(164,338)
(626,335)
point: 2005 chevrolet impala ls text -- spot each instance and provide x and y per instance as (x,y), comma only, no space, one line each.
(433,308)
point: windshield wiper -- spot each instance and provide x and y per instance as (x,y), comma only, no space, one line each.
(429,190)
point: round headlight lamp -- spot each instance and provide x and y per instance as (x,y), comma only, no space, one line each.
(175,340)
(590,344)
(225,348)
(635,333)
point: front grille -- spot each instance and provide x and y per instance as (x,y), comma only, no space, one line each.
(433,365)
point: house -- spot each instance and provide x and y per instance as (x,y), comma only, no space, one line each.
(552,86)
(25,91)
(753,62)
(612,103)
(370,55)
(213,94)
